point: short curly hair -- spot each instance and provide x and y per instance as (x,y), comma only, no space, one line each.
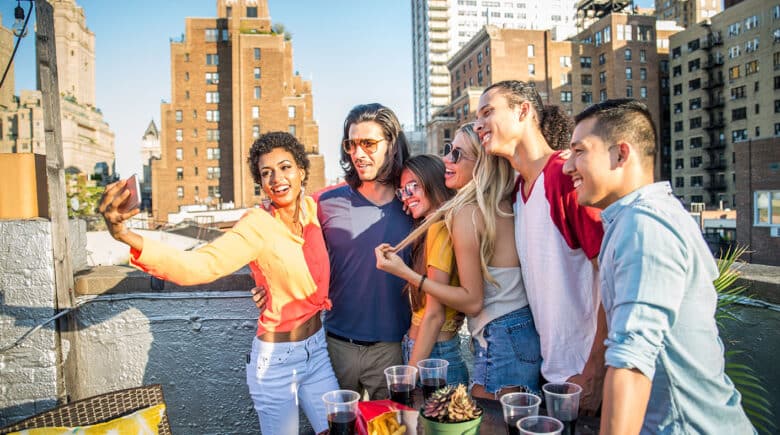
(277,139)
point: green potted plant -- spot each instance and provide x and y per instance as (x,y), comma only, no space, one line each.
(450,410)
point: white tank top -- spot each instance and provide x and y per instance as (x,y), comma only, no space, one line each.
(499,300)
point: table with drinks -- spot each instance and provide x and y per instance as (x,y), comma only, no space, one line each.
(515,413)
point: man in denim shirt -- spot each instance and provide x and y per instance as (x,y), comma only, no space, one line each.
(665,361)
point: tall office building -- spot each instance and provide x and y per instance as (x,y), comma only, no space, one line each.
(442,27)
(686,13)
(87,140)
(726,119)
(232,79)
(618,56)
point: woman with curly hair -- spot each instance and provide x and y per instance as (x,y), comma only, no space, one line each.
(284,248)
(491,291)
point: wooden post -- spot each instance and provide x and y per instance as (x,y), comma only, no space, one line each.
(55,165)
(46,51)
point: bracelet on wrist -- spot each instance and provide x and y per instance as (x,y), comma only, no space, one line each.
(422,280)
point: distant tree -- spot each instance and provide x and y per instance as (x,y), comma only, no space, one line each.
(83,198)
(279,29)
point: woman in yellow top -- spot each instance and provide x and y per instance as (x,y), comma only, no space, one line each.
(285,250)
(434,329)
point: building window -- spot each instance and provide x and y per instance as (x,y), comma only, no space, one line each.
(565,79)
(212,153)
(598,39)
(251,12)
(212,97)
(565,61)
(212,173)
(677,89)
(180,192)
(585,62)
(566,96)
(602,59)
(694,65)
(694,104)
(695,122)
(738,92)
(587,79)
(212,135)
(777,129)
(777,106)
(179,153)
(629,73)
(751,67)
(255,131)
(678,126)
(225,35)
(766,209)
(678,108)
(587,97)
(291,129)
(679,181)
(291,111)
(678,145)
(479,58)
(642,73)
(679,164)
(179,173)
(697,181)
(602,95)
(212,115)
(211,35)
(602,77)
(257,72)
(693,45)
(212,59)
(179,135)
(627,54)
(739,135)
(740,113)
(694,84)
(643,59)
(676,52)
(212,78)
(696,161)
(257,92)
(696,142)
(531,69)
(214,191)
(676,71)
(643,92)
(530,50)
(629,91)
(255,112)
(179,116)
(257,54)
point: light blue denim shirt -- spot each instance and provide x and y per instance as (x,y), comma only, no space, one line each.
(656,284)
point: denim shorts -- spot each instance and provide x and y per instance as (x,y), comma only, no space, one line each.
(513,355)
(457,372)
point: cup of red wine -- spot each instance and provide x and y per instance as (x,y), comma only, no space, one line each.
(516,406)
(539,425)
(341,406)
(400,382)
(563,402)
(433,375)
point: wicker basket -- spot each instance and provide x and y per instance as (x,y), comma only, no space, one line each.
(97,409)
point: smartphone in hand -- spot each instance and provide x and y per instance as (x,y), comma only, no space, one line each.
(134,200)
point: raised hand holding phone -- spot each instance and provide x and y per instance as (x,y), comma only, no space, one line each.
(134,200)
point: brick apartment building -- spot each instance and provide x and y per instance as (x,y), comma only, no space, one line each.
(725,104)
(618,56)
(232,79)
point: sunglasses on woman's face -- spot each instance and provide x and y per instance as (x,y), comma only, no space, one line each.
(368,145)
(408,190)
(456,153)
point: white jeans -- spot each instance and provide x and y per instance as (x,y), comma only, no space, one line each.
(279,375)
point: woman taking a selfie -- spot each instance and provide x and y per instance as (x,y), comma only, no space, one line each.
(286,252)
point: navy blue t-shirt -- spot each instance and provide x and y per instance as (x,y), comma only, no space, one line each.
(368,304)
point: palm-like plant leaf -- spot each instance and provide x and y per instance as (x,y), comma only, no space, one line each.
(754,395)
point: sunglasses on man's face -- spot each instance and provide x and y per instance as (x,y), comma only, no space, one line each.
(456,153)
(408,190)
(368,145)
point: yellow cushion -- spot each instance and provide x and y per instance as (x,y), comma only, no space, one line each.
(142,422)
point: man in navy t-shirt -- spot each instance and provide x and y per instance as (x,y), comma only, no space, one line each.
(370,311)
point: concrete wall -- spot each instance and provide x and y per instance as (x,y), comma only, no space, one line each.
(28,372)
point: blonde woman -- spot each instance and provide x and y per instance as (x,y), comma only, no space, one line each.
(491,291)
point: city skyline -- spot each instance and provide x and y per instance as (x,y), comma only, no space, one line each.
(377,67)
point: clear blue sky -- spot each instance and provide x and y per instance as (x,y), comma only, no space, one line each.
(353,51)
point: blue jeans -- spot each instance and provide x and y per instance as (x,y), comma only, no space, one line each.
(457,372)
(281,375)
(513,355)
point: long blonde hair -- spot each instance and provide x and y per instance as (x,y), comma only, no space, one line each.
(492,182)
